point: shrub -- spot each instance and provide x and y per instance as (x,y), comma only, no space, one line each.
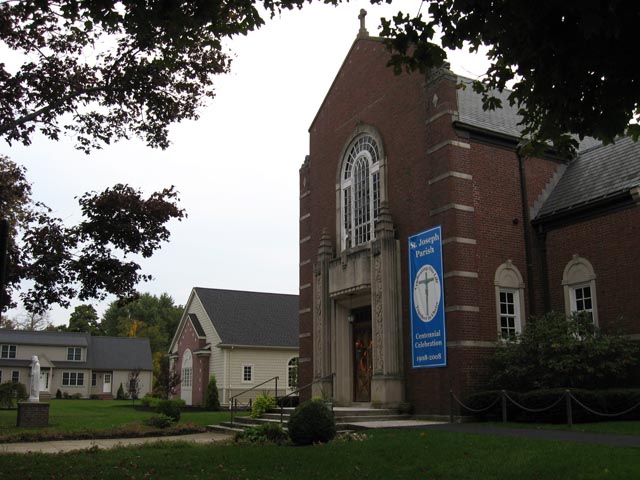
(158,421)
(120,395)
(556,351)
(65,395)
(212,402)
(151,402)
(266,433)
(58,394)
(75,396)
(11,393)
(312,422)
(170,408)
(261,405)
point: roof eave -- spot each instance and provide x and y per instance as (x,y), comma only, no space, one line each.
(259,347)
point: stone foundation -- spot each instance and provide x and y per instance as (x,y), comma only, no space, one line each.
(33,414)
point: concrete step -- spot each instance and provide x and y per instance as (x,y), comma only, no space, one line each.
(371,418)
(224,428)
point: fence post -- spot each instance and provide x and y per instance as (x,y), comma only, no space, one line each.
(450,406)
(504,406)
(567,396)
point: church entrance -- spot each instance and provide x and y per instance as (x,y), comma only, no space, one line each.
(362,352)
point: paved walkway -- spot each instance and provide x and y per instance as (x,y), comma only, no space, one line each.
(208,437)
(59,446)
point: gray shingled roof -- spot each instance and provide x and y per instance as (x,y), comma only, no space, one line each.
(596,174)
(252,318)
(503,121)
(118,353)
(105,353)
(62,339)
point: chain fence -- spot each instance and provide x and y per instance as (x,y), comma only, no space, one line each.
(505,398)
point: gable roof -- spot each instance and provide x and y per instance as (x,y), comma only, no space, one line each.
(103,353)
(252,318)
(596,174)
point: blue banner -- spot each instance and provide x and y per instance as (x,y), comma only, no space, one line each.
(426,295)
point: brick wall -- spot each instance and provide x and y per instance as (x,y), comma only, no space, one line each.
(437,175)
(189,340)
(615,263)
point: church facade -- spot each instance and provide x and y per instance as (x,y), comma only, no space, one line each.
(391,156)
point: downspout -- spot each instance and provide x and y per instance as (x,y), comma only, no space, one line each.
(542,240)
(526,228)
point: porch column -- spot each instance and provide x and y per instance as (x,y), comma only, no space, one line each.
(387,384)
(321,318)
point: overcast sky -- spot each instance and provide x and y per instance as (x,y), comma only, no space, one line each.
(236,168)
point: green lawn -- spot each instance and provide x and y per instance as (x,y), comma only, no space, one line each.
(385,454)
(67,417)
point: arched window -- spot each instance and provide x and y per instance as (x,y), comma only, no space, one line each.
(579,284)
(187,370)
(360,191)
(292,373)
(509,300)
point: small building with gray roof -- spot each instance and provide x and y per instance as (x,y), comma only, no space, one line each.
(242,338)
(75,363)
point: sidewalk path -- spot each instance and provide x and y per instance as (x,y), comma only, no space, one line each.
(542,434)
(59,446)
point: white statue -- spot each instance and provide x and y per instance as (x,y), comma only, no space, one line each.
(34,394)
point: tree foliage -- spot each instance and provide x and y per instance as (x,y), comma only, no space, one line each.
(84,318)
(149,316)
(566,62)
(111,69)
(87,260)
(556,351)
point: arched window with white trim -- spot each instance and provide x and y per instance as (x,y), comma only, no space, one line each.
(186,377)
(579,285)
(292,373)
(509,287)
(360,191)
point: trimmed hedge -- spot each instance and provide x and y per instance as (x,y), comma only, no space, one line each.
(312,422)
(605,401)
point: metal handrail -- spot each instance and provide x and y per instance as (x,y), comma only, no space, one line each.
(331,375)
(232,403)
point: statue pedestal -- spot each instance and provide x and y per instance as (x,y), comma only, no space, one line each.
(34,414)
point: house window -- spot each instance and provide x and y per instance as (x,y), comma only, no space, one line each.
(8,351)
(360,191)
(579,284)
(247,373)
(187,369)
(509,313)
(581,300)
(509,287)
(292,370)
(74,354)
(15,376)
(94,379)
(72,379)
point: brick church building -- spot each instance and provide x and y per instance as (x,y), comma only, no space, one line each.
(394,155)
